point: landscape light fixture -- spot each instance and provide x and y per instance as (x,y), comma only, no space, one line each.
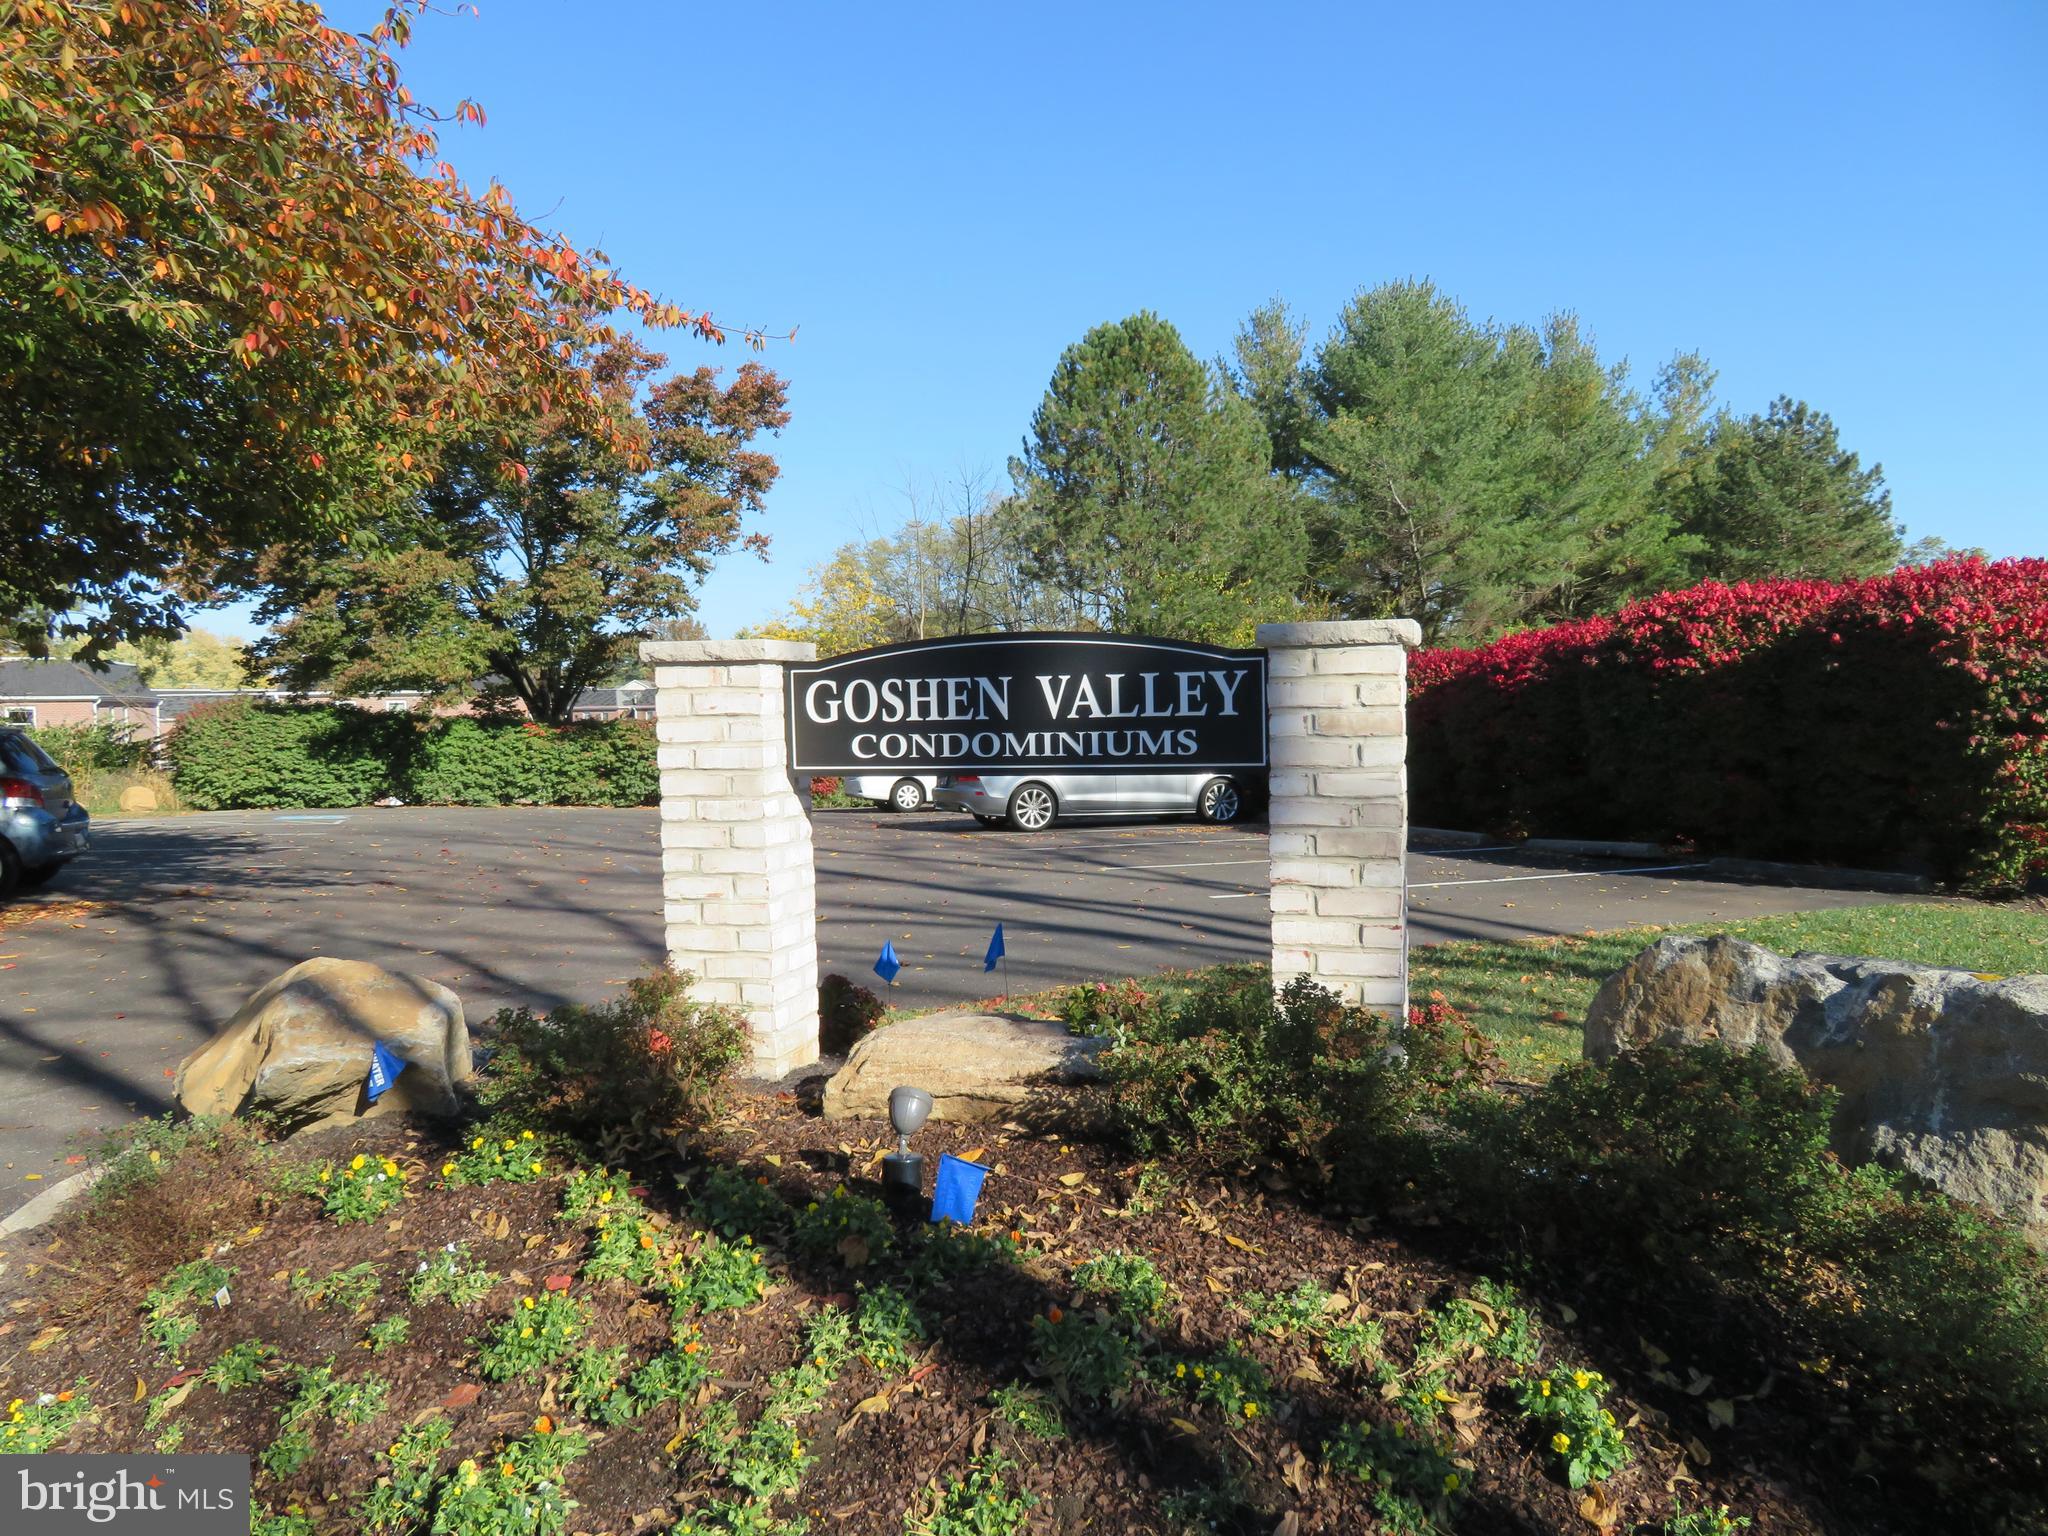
(903,1169)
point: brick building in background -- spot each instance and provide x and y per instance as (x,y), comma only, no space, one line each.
(47,693)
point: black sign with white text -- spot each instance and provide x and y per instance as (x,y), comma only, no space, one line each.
(1034,702)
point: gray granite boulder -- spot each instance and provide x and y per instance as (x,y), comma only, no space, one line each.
(1941,1073)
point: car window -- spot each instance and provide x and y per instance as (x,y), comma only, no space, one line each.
(23,755)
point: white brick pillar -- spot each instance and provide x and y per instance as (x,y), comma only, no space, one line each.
(1337,731)
(739,892)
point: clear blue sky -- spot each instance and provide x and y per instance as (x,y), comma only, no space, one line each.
(1840,202)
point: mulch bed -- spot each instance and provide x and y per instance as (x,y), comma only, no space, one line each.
(883,1443)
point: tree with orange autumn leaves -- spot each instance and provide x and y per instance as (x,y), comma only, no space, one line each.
(242,298)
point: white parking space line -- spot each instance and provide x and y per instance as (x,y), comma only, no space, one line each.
(1135,844)
(1204,864)
(1563,874)
(1237,895)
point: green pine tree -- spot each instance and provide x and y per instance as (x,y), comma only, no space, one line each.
(1148,487)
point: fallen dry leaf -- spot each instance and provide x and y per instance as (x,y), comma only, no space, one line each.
(1598,1509)
(877,1404)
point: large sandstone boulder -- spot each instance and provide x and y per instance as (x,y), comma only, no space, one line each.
(976,1066)
(1941,1073)
(299,1048)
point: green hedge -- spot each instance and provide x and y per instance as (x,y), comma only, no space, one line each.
(105,746)
(245,755)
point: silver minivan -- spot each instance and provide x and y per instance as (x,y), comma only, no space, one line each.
(1031,802)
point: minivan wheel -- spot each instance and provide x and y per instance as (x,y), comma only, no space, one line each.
(907,795)
(1219,802)
(10,870)
(1033,808)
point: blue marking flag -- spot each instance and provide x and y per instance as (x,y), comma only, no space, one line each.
(385,1065)
(886,964)
(995,951)
(956,1188)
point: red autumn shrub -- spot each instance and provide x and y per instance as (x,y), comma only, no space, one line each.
(825,785)
(1899,721)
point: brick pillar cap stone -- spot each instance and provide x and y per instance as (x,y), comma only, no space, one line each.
(701,652)
(1405,633)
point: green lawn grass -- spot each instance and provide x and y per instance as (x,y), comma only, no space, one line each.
(1530,996)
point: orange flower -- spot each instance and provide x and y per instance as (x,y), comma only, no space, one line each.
(544,1425)
(1054,1315)
(692,1347)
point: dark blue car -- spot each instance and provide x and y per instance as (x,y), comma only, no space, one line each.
(41,827)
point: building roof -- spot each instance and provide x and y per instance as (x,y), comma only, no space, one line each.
(180,702)
(118,683)
(628,696)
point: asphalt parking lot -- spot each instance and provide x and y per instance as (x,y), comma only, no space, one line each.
(137,953)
